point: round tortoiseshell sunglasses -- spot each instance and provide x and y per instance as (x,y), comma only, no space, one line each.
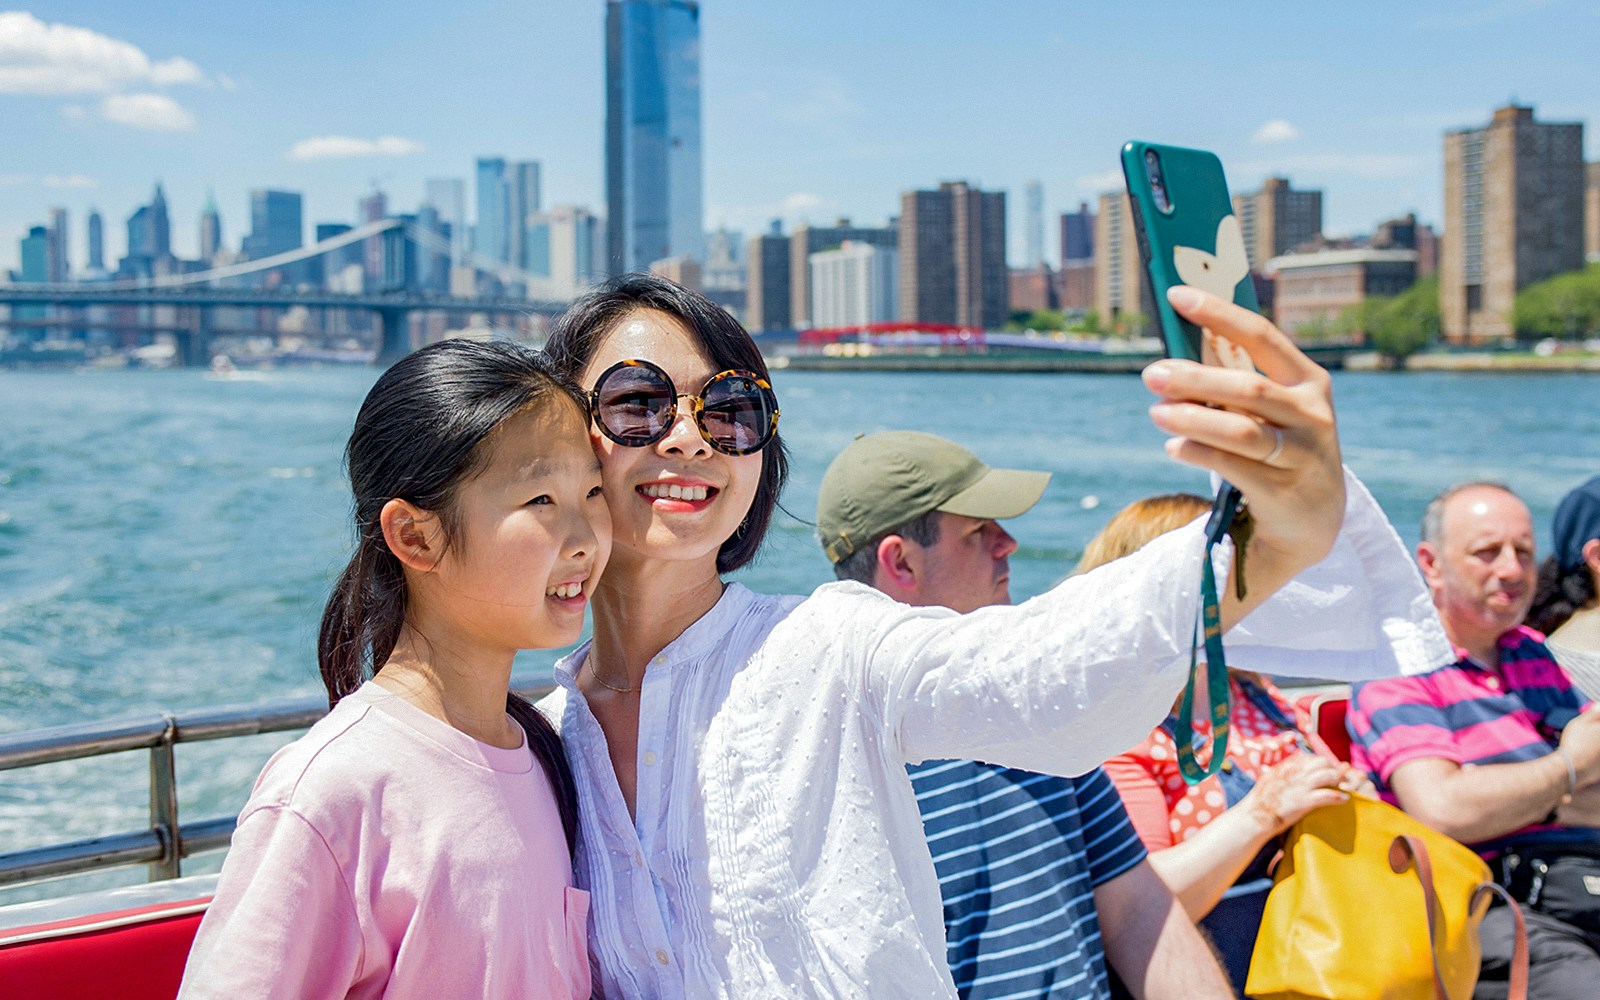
(634,403)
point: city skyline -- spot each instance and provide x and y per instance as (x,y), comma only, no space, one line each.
(808,114)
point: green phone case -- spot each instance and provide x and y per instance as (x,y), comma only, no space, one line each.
(1196,240)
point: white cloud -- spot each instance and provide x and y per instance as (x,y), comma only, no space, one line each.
(74,112)
(156,112)
(69,181)
(1276,130)
(335,147)
(797,205)
(1106,180)
(40,58)
(12,180)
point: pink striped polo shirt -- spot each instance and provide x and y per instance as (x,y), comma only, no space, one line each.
(1466,713)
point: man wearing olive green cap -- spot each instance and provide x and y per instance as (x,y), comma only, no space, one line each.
(1043,878)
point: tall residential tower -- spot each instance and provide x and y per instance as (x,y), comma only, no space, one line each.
(1513,215)
(953,256)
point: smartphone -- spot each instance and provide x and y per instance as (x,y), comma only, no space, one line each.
(1188,235)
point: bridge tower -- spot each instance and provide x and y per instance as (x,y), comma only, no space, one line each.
(394,333)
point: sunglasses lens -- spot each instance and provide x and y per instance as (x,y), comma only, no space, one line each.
(737,413)
(634,404)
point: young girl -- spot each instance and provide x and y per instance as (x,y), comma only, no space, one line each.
(417,841)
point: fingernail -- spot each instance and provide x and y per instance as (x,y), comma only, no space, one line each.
(1183,298)
(1156,375)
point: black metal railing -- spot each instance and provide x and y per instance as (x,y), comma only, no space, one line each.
(167,842)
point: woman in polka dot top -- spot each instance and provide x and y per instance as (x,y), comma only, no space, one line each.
(1213,842)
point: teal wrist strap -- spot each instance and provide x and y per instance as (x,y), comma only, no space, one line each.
(1223,514)
(1217,692)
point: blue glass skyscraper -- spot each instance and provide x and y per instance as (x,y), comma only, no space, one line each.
(491,238)
(653,186)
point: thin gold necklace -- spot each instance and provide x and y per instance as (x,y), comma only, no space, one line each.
(607,684)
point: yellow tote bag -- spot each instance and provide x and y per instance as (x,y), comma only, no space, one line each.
(1368,903)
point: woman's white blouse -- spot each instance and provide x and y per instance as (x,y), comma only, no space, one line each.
(778,850)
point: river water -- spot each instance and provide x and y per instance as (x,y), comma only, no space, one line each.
(167,538)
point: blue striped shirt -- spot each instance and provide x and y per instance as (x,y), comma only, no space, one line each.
(1019,856)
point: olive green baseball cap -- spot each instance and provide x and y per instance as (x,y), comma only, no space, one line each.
(881,481)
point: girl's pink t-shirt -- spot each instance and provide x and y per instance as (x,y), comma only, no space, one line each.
(387,854)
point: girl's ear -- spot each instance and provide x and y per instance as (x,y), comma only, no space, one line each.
(412,534)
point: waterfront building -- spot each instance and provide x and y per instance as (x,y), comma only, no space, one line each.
(1034,289)
(1513,197)
(149,240)
(1311,290)
(35,256)
(1276,219)
(1077,235)
(854,284)
(58,267)
(523,202)
(725,261)
(565,248)
(97,241)
(149,229)
(210,230)
(807,240)
(953,256)
(1075,286)
(489,233)
(767,282)
(275,223)
(448,197)
(653,163)
(1033,231)
(684,270)
(1120,290)
(431,263)
(373,208)
(724,274)
(1591,212)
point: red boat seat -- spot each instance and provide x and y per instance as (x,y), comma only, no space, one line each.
(1327,710)
(133,954)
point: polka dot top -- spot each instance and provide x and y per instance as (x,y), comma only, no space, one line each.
(1166,810)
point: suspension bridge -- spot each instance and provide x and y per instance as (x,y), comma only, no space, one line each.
(391,292)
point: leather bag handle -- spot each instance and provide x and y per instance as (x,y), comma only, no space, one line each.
(1406,851)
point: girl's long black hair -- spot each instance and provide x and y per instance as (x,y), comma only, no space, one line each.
(579,331)
(418,437)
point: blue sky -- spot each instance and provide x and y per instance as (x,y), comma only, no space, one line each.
(811,110)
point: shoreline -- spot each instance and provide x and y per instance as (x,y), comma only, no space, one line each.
(1347,359)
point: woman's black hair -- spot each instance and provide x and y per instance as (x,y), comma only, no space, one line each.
(1559,595)
(577,336)
(418,437)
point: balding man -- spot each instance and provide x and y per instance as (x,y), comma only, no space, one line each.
(1497,750)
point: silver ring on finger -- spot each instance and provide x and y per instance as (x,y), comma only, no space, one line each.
(1277,446)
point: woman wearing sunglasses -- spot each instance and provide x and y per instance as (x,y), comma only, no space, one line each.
(747,826)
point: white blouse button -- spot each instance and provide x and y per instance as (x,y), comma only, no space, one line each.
(649,757)
(661,957)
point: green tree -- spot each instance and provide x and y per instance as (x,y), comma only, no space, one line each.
(1043,319)
(1566,306)
(1401,325)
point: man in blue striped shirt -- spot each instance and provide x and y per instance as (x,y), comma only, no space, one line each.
(1043,878)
